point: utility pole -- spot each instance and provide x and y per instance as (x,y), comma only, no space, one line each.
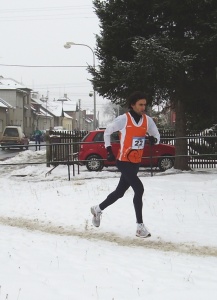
(79,114)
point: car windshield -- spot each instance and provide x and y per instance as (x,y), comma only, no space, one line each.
(12,132)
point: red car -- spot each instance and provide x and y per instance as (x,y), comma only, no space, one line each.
(93,154)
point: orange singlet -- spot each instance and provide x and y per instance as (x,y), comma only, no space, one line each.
(132,140)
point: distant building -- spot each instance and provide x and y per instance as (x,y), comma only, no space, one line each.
(18,97)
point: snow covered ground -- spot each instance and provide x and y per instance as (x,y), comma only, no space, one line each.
(50,250)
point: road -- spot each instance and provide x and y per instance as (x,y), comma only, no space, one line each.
(5,154)
(8,153)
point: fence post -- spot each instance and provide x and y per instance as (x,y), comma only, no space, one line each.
(47,140)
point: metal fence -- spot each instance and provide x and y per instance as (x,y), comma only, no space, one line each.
(63,147)
(201,146)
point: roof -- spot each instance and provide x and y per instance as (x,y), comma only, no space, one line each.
(11,84)
(69,106)
(67,116)
(41,112)
(4,103)
(56,107)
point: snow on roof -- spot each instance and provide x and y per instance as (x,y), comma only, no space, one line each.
(56,107)
(67,116)
(41,112)
(88,120)
(45,113)
(38,101)
(69,106)
(11,84)
(4,103)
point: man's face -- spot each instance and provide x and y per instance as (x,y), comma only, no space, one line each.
(139,106)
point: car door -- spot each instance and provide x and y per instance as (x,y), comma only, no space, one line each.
(99,146)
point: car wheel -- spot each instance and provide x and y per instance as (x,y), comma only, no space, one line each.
(93,163)
(165,163)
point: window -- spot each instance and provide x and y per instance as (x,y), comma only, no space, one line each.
(12,132)
(99,137)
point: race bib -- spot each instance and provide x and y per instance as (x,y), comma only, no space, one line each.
(138,143)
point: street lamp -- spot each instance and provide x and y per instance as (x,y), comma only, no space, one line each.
(67,46)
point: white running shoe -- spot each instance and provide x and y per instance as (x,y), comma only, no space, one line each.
(97,214)
(142,231)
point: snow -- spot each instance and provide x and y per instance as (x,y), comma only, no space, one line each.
(50,250)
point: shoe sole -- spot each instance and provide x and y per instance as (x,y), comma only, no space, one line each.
(142,236)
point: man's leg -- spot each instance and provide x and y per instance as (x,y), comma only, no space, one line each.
(116,194)
(129,172)
(132,178)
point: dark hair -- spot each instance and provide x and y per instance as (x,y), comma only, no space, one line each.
(134,97)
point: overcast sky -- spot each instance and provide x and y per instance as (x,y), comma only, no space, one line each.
(33,33)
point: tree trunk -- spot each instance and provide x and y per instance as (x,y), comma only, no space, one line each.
(181,160)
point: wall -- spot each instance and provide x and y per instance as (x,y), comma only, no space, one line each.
(20,114)
(2,119)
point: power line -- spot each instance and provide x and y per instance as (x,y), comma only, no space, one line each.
(23,14)
(46,18)
(7,10)
(42,66)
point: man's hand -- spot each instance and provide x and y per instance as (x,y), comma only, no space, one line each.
(110,155)
(152,140)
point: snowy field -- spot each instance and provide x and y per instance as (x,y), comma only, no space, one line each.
(49,249)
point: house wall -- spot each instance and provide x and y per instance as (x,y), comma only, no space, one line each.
(43,123)
(78,121)
(67,124)
(10,97)
(20,114)
(70,124)
(2,119)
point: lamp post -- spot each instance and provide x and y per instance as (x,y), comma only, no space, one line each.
(67,46)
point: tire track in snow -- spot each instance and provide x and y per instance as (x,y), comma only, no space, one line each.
(91,234)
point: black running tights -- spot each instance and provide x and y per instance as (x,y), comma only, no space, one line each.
(128,178)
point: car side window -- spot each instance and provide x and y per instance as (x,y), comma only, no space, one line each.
(99,137)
